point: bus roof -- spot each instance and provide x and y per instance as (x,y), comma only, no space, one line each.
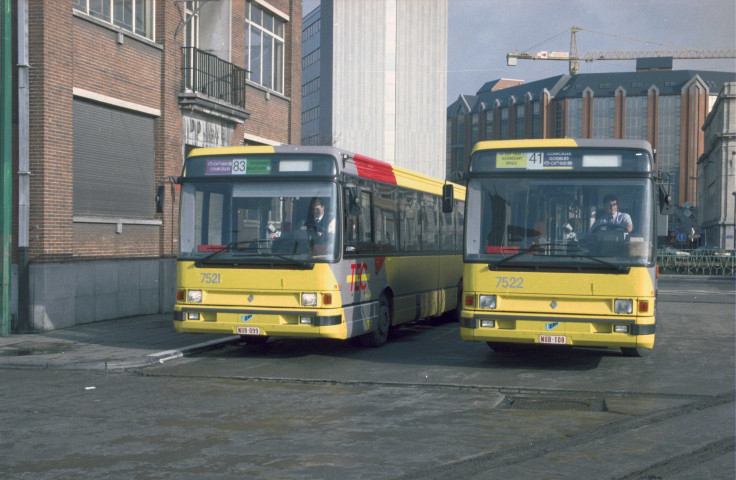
(347,162)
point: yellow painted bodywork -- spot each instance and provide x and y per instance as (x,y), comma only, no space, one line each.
(583,304)
(272,295)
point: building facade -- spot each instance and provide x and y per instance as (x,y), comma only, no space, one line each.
(374,80)
(666,108)
(118,92)
(717,172)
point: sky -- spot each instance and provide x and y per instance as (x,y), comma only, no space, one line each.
(481,33)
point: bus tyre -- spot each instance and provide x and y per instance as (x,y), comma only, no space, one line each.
(378,337)
(636,351)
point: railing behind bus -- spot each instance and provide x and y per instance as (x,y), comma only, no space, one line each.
(693,262)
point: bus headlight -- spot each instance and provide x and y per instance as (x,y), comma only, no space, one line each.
(194,296)
(487,301)
(623,306)
(309,299)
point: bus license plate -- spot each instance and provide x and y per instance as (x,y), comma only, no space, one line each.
(248,331)
(553,339)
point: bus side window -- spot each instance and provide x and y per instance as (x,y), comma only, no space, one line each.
(364,229)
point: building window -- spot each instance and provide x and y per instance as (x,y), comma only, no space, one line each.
(132,15)
(575,118)
(264,52)
(668,141)
(474,125)
(113,161)
(559,120)
(489,125)
(536,121)
(603,117)
(520,119)
(504,123)
(460,129)
(636,118)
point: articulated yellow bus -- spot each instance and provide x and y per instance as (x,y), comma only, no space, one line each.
(294,241)
(560,244)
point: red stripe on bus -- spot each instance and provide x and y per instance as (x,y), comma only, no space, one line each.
(374,169)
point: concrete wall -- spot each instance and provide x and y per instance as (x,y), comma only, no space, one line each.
(68,294)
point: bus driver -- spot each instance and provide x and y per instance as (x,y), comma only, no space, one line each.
(613,219)
(321,223)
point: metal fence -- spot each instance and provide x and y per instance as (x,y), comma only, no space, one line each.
(208,74)
(696,263)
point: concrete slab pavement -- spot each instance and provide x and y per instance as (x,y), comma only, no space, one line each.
(113,344)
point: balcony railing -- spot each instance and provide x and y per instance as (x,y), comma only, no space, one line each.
(207,74)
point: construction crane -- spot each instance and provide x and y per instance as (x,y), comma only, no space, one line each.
(592,55)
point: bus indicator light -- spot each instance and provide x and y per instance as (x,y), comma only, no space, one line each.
(643,306)
(468,300)
(327,299)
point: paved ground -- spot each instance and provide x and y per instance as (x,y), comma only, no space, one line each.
(114,344)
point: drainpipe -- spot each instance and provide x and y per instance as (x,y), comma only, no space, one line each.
(24,317)
(6,164)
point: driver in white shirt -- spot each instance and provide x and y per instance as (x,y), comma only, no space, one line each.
(613,218)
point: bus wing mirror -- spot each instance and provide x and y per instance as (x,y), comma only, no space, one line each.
(665,201)
(448,198)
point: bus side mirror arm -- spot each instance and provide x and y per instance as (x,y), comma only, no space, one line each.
(448,198)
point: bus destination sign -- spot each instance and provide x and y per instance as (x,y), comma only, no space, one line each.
(238,166)
(535,160)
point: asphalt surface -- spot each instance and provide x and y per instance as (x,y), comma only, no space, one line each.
(115,344)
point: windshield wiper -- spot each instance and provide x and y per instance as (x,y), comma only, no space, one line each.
(533,248)
(494,266)
(229,246)
(294,261)
(618,268)
(200,262)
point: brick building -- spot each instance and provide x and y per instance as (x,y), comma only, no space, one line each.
(118,93)
(665,107)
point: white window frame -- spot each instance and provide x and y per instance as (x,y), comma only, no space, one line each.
(150,19)
(276,82)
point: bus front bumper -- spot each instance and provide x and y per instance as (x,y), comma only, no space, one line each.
(564,330)
(322,323)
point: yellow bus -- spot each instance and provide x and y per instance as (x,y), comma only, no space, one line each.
(292,241)
(560,244)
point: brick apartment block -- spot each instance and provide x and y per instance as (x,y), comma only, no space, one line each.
(116,101)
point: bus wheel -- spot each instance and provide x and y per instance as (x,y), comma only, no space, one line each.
(254,339)
(378,337)
(636,351)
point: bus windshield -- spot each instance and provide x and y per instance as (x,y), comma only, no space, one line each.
(560,222)
(258,222)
